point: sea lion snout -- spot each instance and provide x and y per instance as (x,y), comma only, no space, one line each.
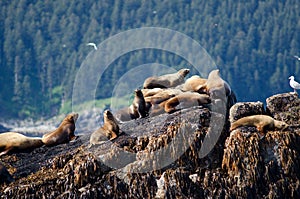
(74,116)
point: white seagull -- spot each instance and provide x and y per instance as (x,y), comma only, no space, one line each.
(92,44)
(298,58)
(295,85)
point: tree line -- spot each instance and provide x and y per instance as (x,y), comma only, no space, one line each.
(43,43)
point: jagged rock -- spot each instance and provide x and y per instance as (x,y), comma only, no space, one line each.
(5,176)
(240,165)
(251,163)
(243,109)
(285,107)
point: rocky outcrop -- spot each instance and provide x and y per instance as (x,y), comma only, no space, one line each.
(162,157)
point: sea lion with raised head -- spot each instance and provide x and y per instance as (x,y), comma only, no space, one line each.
(166,81)
(64,133)
(261,122)
(217,88)
(13,142)
(137,109)
(186,100)
(109,131)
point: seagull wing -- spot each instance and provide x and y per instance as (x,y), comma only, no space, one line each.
(92,44)
(297,57)
(295,85)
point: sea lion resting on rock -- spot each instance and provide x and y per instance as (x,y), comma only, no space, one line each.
(151,91)
(138,106)
(163,95)
(166,81)
(261,122)
(215,85)
(218,88)
(194,83)
(16,142)
(185,100)
(156,103)
(110,130)
(64,133)
(157,109)
(136,110)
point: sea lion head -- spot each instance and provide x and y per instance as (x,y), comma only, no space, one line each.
(71,118)
(280,125)
(108,115)
(184,72)
(214,73)
(138,93)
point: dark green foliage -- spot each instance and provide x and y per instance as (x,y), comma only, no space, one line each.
(43,43)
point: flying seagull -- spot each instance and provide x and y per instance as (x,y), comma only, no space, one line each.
(295,85)
(298,58)
(93,44)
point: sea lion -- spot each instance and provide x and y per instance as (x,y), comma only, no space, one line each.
(215,85)
(137,109)
(218,88)
(185,100)
(15,142)
(194,83)
(163,95)
(64,133)
(166,81)
(109,131)
(157,109)
(150,92)
(261,122)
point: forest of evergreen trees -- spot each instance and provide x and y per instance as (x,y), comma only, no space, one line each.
(43,43)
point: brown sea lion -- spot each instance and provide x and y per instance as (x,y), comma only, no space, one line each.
(194,83)
(163,95)
(218,88)
(137,109)
(215,85)
(150,92)
(157,109)
(166,81)
(109,131)
(185,100)
(261,122)
(64,133)
(12,142)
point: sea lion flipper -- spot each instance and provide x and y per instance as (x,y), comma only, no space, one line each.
(6,151)
(113,136)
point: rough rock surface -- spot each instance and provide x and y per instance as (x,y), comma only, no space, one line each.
(285,107)
(241,165)
(243,109)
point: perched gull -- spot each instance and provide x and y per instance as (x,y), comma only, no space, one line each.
(92,44)
(298,58)
(295,85)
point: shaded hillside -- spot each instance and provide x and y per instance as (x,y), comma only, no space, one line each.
(42,45)
(241,164)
